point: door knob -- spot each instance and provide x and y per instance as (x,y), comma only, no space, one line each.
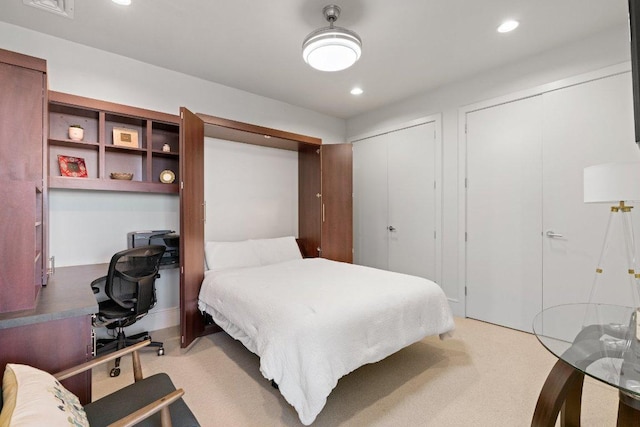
(553,235)
(391,228)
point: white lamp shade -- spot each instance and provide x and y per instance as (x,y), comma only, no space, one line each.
(612,182)
(331,49)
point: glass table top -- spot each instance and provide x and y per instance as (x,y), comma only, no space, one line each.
(598,339)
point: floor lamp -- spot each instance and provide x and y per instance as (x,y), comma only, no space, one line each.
(617,184)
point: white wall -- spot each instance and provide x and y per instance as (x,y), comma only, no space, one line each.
(114,78)
(88,227)
(251,191)
(604,49)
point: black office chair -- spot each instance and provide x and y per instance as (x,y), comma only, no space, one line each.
(130,288)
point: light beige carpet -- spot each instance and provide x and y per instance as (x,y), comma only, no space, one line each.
(485,375)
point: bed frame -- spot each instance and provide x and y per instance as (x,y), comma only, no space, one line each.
(194,128)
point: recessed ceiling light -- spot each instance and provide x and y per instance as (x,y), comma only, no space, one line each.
(122,2)
(507,26)
(356,91)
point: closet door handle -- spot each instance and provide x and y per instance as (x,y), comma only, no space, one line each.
(391,228)
(553,235)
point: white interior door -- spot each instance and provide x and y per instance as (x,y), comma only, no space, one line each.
(370,202)
(394,200)
(411,178)
(585,124)
(532,241)
(504,203)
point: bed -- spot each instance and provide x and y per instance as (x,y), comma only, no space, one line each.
(312,321)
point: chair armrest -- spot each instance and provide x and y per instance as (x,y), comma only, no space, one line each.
(106,358)
(161,404)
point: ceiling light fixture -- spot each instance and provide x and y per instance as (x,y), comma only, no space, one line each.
(507,26)
(356,91)
(122,2)
(331,48)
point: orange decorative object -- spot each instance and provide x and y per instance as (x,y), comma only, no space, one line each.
(72,166)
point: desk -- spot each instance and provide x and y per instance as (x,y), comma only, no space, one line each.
(56,334)
(597,340)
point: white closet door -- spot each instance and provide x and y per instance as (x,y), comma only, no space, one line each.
(370,202)
(411,178)
(504,223)
(586,124)
(394,201)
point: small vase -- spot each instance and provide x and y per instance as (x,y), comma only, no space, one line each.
(76,134)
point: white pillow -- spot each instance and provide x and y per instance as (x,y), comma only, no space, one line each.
(222,255)
(279,249)
(32,397)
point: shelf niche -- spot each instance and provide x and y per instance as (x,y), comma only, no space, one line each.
(101,156)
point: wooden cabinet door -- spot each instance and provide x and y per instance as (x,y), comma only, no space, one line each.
(17,220)
(192,217)
(22,122)
(52,346)
(337,202)
(309,203)
(22,115)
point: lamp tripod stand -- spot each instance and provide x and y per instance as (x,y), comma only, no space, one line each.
(623,213)
(627,230)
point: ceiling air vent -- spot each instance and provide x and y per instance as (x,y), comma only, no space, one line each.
(59,7)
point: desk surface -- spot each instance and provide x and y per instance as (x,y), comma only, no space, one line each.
(597,339)
(68,294)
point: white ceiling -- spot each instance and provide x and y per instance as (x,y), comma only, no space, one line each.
(409,46)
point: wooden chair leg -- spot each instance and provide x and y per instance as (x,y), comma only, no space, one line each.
(628,411)
(561,390)
(165,417)
(137,366)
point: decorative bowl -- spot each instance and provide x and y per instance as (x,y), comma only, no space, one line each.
(121,175)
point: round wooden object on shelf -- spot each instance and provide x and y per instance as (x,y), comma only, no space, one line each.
(167,176)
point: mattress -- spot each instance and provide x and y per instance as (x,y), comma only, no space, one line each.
(312,321)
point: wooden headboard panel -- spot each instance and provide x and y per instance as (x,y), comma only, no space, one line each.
(301,248)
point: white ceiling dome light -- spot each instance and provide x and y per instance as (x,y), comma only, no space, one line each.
(331,48)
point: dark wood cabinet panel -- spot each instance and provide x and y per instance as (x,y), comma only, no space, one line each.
(18,285)
(47,328)
(23,211)
(337,202)
(21,106)
(192,217)
(51,346)
(325,193)
(309,201)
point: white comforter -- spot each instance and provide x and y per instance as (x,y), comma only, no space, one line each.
(312,321)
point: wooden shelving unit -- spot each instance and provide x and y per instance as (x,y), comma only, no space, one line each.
(101,156)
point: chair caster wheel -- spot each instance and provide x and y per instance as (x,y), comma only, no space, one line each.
(114,372)
(161,352)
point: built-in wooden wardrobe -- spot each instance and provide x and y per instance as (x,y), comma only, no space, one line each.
(23,186)
(49,328)
(324,197)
